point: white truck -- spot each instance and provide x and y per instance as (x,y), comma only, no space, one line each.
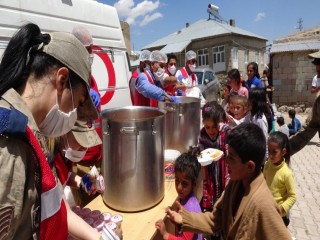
(110,66)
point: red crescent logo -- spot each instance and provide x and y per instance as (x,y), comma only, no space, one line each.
(111,74)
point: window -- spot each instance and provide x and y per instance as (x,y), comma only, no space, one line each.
(246,56)
(235,54)
(218,54)
(203,57)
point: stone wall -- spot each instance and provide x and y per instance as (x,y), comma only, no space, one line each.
(292,74)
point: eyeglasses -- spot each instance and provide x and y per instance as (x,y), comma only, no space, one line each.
(171,64)
(194,61)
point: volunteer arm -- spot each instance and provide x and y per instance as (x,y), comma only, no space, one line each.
(302,137)
(207,223)
(78,228)
(149,90)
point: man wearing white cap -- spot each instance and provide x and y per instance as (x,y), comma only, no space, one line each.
(148,91)
(300,139)
(143,64)
(189,79)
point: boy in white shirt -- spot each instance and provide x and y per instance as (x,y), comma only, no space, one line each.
(282,127)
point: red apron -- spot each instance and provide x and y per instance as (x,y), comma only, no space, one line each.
(140,100)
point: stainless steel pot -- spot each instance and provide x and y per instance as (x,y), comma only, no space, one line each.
(182,123)
(132,166)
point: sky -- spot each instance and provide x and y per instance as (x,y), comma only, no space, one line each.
(151,20)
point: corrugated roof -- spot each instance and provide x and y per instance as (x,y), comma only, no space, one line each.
(175,47)
(201,29)
(311,34)
(295,46)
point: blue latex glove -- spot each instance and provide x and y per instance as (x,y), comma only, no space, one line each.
(174,99)
(179,92)
(95,98)
(180,77)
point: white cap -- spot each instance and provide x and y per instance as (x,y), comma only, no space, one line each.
(144,55)
(83,35)
(157,56)
(191,55)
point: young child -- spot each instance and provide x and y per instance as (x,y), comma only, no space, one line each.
(253,76)
(213,135)
(187,169)
(278,176)
(246,210)
(295,124)
(282,127)
(230,110)
(240,110)
(258,105)
(225,96)
(235,81)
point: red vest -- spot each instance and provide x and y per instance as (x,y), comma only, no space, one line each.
(170,88)
(63,167)
(53,210)
(139,99)
(186,75)
(132,83)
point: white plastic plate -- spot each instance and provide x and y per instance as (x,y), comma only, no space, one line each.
(209,155)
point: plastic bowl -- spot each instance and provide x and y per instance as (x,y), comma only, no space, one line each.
(209,155)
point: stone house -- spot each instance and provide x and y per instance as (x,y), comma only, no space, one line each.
(291,70)
(219,45)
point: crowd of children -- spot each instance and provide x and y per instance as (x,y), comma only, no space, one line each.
(247,192)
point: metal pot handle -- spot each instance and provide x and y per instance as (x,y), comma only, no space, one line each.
(170,109)
(129,131)
(153,131)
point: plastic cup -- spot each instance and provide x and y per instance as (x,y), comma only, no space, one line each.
(84,212)
(111,225)
(95,214)
(117,219)
(105,217)
(98,224)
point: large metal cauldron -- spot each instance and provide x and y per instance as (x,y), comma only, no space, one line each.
(133,146)
(182,123)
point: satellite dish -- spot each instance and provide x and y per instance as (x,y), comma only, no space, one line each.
(213,11)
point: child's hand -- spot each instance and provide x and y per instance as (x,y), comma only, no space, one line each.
(175,216)
(162,228)
(282,211)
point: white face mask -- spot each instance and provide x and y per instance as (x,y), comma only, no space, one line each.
(58,123)
(172,70)
(147,67)
(74,155)
(192,67)
(159,74)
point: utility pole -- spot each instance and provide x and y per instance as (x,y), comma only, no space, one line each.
(300,21)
